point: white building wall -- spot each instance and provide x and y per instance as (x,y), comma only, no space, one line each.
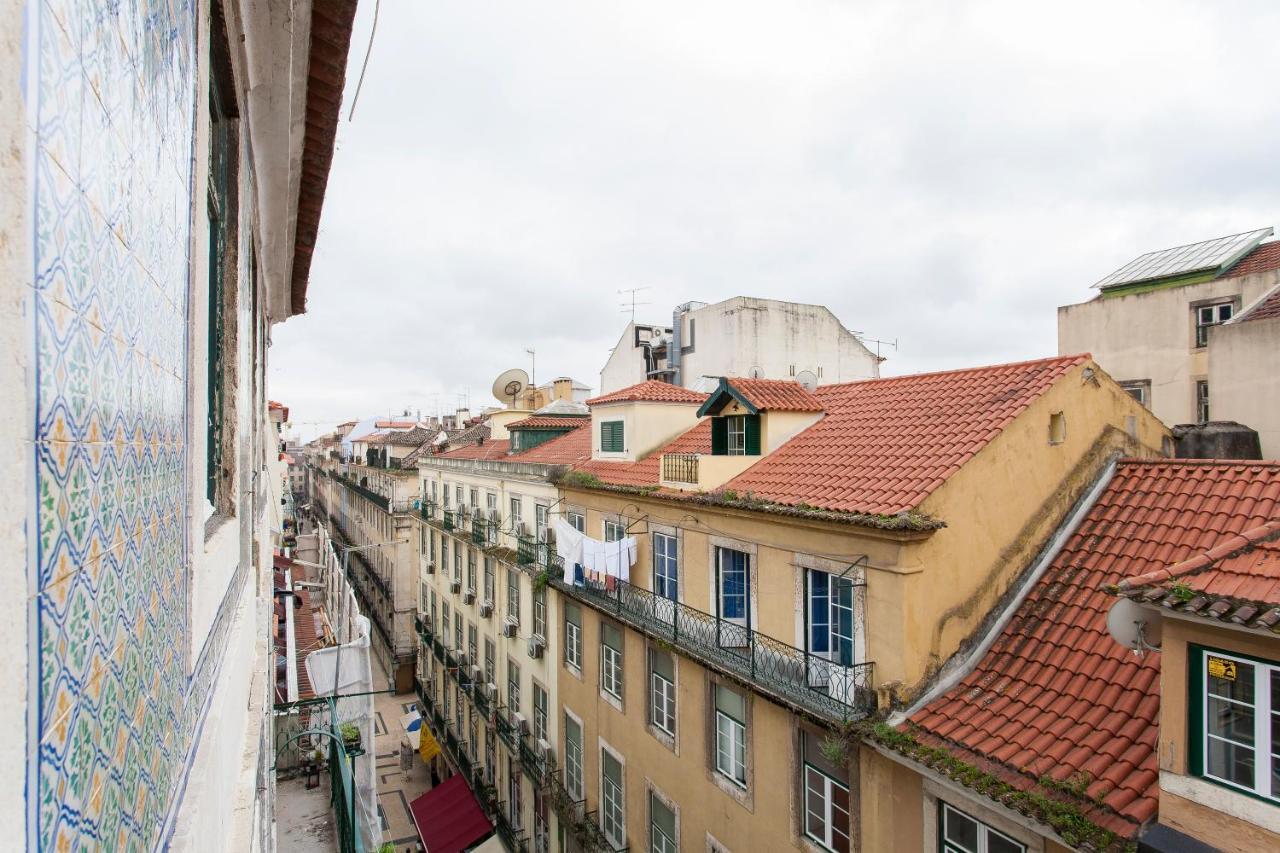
(1244,381)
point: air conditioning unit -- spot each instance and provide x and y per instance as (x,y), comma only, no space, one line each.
(509,627)
(469,597)
(490,691)
(486,609)
(461,657)
(455,587)
(536,646)
(520,723)
(477,673)
(547,754)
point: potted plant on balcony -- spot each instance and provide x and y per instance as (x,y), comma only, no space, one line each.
(350,736)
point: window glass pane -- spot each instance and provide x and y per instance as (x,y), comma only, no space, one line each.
(1230,762)
(663,664)
(960,829)
(663,817)
(997,843)
(611,636)
(1230,720)
(731,703)
(572,614)
(1238,688)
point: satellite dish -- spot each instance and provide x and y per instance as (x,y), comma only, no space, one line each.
(509,384)
(807,380)
(756,372)
(1134,626)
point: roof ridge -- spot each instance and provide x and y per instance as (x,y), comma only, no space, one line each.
(1077,357)
(1199,463)
(1230,547)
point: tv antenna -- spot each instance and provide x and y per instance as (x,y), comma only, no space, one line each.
(630,305)
(878,342)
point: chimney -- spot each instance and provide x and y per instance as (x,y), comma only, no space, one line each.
(1216,440)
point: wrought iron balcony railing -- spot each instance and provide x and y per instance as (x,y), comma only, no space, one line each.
(680,467)
(447,518)
(364,491)
(575,818)
(526,550)
(793,676)
(478,525)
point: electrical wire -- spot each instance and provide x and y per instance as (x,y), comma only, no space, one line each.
(365,65)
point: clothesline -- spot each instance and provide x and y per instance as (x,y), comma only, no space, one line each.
(600,561)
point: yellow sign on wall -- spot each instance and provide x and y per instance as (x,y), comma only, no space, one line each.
(1224,669)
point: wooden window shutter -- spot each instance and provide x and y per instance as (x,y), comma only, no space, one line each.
(719,436)
(753,434)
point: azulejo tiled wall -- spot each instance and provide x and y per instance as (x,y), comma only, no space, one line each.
(114,100)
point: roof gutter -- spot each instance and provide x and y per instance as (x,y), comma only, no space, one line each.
(954,671)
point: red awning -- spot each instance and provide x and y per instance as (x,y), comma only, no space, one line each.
(448,818)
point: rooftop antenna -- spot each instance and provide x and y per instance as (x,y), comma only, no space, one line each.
(893,343)
(631,306)
(533,368)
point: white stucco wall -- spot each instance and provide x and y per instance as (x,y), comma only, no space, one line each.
(646,426)
(1151,336)
(1244,382)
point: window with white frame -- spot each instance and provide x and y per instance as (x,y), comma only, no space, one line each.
(1138,389)
(444,621)
(1208,316)
(573,757)
(471,570)
(539,712)
(737,433)
(513,594)
(474,496)
(611,659)
(959,832)
(513,686)
(826,798)
(662,691)
(1235,718)
(613,808)
(731,735)
(666,571)
(457,493)
(446,495)
(515,515)
(490,661)
(614,530)
(457,563)
(473,658)
(541,822)
(830,616)
(662,826)
(513,786)
(578,521)
(1202,401)
(573,635)
(488,580)
(540,521)
(444,554)
(540,611)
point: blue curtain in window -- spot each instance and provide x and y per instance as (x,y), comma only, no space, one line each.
(733,584)
(665,580)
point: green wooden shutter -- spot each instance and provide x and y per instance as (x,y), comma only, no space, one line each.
(719,436)
(611,437)
(752,423)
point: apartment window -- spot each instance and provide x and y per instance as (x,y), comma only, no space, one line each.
(662,826)
(614,530)
(539,712)
(471,569)
(666,574)
(457,563)
(434,493)
(573,757)
(444,554)
(961,833)
(513,786)
(490,662)
(475,737)
(735,435)
(488,579)
(515,514)
(1138,389)
(444,622)
(611,437)
(446,495)
(472,646)
(613,808)
(1057,428)
(490,501)
(731,735)
(1235,721)
(830,615)
(513,686)
(1208,316)
(737,427)
(457,493)
(513,594)
(826,798)
(457,633)
(662,691)
(432,543)
(573,636)
(733,583)
(475,498)
(540,521)
(611,659)
(578,522)
(434,623)
(1202,402)
(541,827)
(540,612)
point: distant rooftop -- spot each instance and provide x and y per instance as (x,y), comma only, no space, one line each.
(1209,258)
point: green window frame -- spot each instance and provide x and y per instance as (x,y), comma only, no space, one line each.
(735,435)
(1233,722)
(612,437)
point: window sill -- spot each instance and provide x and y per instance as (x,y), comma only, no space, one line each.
(615,701)
(737,792)
(1250,808)
(662,737)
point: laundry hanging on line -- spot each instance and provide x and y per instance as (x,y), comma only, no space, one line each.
(594,558)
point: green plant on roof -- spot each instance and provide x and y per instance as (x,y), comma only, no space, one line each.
(1182,591)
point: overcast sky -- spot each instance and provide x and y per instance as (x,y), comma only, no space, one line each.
(941,176)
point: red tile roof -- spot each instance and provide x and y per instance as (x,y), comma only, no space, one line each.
(550,422)
(572,448)
(488,450)
(885,445)
(1263,258)
(778,395)
(651,391)
(1266,309)
(394,424)
(1055,695)
(1237,581)
(647,472)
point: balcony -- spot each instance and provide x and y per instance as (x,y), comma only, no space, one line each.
(428,510)
(364,491)
(447,519)
(575,818)
(478,526)
(680,468)
(423,629)
(526,550)
(794,677)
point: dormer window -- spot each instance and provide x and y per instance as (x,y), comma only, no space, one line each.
(735,435)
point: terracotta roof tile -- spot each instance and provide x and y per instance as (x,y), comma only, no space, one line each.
(550,422)
(1262,258)
(646,472)
(1067,694)
(487,450)
(651,391)
(777,395)
(1266,309)
(572,448)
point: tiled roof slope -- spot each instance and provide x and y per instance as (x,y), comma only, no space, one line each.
(885,444)
(777,395)
(488,450)
(572,448)
(647,472)
(1266,309)
(408,438)
(650,391)
(1263,258)
(1055,695)
(549,422)
(1236,582)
